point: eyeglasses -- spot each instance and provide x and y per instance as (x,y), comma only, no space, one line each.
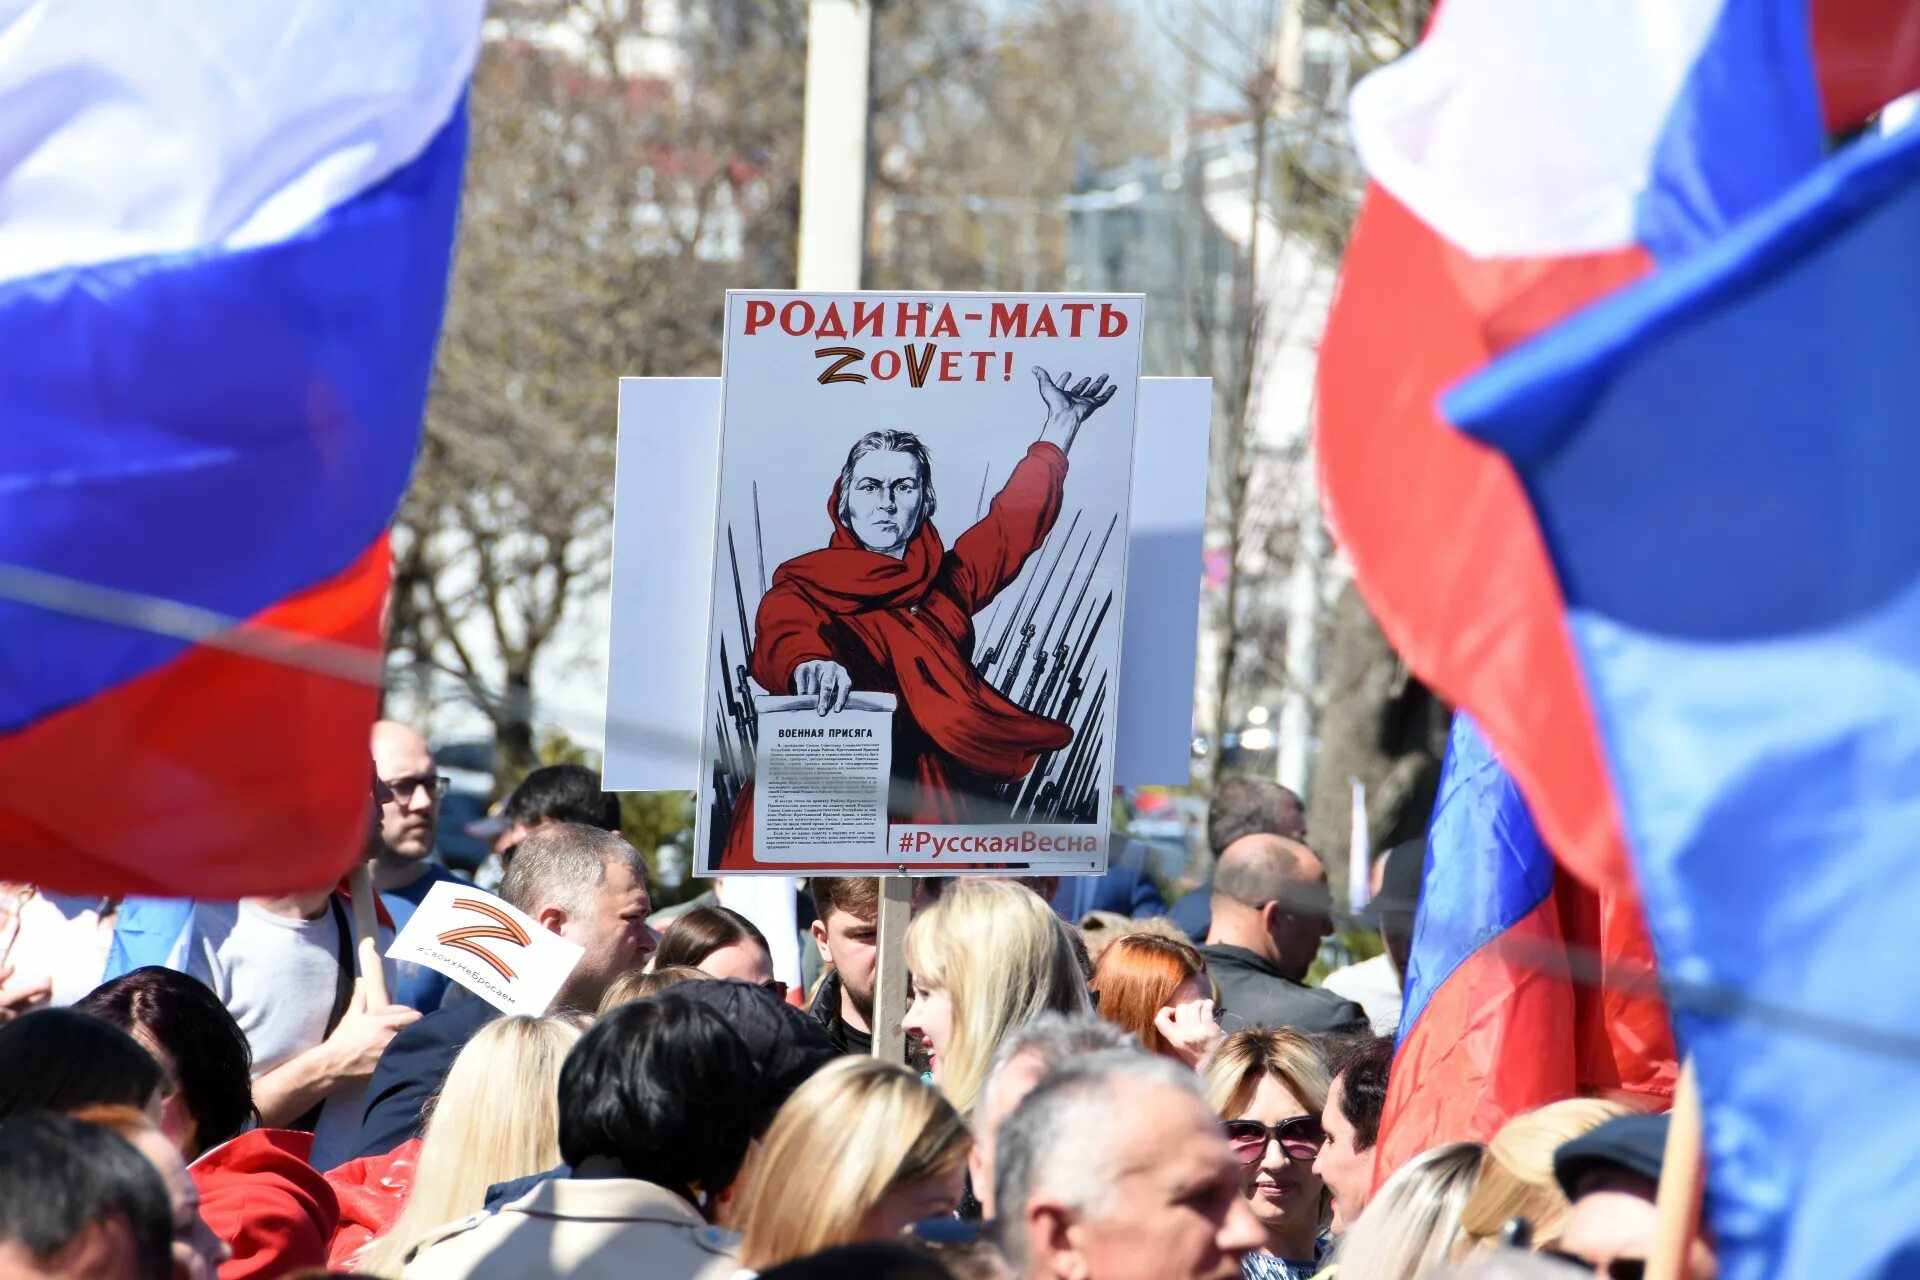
(404,788)
(1612,1268)
(1300,1138)
(776,986)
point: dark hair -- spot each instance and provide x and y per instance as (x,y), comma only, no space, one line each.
(888,441)
(59,1177)
(1361,1065)
(858,896)
(656,1087)
(1399,899)
(1244,806)
(785,1045)
(697,933)
(207,1053)
(563,793)
(62,1060)
(883,1260)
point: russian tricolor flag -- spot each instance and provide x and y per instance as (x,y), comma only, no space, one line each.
(1722,462)
(1531,157)
(225,232)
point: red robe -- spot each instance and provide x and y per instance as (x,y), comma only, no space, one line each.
(905,627)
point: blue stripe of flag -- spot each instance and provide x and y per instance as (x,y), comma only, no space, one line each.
(1486,866)
(1722,461)
(228,427)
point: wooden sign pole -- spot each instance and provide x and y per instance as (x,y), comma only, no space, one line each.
(366,931)
(1682,1173)
(890,983)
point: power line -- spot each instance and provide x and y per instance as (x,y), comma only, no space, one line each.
(1580,964)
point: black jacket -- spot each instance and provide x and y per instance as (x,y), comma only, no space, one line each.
(826,1011)
(412,1070)
(1256,992)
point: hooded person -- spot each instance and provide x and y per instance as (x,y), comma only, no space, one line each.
(786,1044)
(888,607)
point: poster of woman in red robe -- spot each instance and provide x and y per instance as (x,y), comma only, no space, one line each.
(924,678)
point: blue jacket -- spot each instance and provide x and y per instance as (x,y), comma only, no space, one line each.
(1194,912)
(412,1070)
(1126,888)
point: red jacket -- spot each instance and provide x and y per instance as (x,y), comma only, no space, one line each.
(275,1211)
(906,627)
(372,1191)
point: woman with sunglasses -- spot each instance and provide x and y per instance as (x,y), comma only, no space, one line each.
(1269,1087)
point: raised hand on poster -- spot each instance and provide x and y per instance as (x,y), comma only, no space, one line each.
(1068,405)
(826,678)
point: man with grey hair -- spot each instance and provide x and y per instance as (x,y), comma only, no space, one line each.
(1270,908)
(1027,1056)
(1115,1168)
(587,885)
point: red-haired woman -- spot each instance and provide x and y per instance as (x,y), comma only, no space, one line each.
(1157,988)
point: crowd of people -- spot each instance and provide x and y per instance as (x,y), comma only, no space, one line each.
(193,1090)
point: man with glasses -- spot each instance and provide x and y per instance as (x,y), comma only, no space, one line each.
(403,864)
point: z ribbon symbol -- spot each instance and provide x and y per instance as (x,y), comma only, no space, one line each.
(504,927)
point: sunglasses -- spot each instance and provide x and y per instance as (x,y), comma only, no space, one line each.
(1300,1138)
(940,1232)
(1612,1269)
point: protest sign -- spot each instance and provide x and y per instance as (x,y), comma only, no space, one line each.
(918,582)
(488,946)
(666,486)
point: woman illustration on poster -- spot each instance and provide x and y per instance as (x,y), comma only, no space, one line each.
(887,607)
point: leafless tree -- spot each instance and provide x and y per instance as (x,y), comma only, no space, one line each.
(608,206)
(984,118)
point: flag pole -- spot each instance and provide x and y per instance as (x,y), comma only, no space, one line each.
(1682,1174)
(366,930)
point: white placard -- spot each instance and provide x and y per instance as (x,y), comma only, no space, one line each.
(489,946)
(667,475)
(919,495)
(822,793)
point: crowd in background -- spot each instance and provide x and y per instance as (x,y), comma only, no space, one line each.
(1093,1088)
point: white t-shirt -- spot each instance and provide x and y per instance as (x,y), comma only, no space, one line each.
(278,975)
(53,935)
(1374,985)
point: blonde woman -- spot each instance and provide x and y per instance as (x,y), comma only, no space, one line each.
(637,984)
(1412,1223)
(989,956)
(860,1150)
(496,1119)
(1268,1087)
(1517,1180)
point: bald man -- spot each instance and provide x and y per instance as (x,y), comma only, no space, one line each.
(1269,914)
(403,865)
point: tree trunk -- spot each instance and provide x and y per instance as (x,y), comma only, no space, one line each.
(514,755)
(1380,725)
